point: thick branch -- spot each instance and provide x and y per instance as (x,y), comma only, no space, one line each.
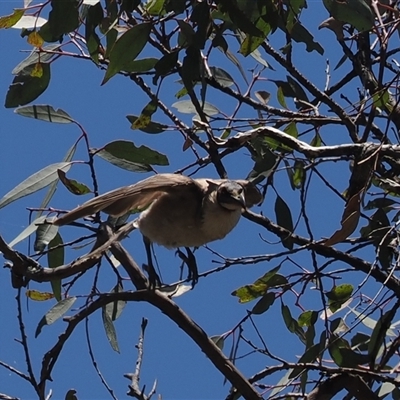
(391,282)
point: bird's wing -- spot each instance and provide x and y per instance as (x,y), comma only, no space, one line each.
(137,196)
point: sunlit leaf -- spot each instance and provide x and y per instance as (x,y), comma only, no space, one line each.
(152,127)
(187,107)
(35,182)
(55,313)
(45,233)
(72,185)
(44,113)
(9,20)
(35,295)
(29,22)
(115,308)
(46,55)
(219,341)
(27,231)
(35,39)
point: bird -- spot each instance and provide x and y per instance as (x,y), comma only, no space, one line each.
(176,210)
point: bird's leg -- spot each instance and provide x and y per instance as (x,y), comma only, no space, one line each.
(154,279)
(190,261)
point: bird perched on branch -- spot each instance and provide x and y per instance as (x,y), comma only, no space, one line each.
(178,211)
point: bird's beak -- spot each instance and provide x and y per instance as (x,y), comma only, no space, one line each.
(240,198)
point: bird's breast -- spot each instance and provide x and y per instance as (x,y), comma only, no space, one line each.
(187,222)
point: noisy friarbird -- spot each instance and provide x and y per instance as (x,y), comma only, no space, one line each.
(178,211)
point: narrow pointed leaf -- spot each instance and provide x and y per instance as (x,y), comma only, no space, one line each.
(126,49)
(27,231)
(110,330)
(284,219)
(35,182)
(115,308)
(55,313)
(45,233)
(55,258)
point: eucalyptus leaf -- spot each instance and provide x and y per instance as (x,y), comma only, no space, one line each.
(55,313)
(35,182)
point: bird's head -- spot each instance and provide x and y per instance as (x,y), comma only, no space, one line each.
(230,195)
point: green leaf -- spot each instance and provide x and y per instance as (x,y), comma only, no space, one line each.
(251,42)
(35,182)
(378,334)
(63,18)
(31,228)
(307,318)
(281,97)
(29,22)
(284,219)
(145,116)
(219,341)
(186,34)
(110,330)
(53,186)
(339,295)
(381,100)
(94,17)
(55,258)
(380,202)
(114,309)
(26,88)
(124,164)
(55,313)
(143,65)
(34,58)
(142,155)
(9,20)
(309,356)
(44,113)
(127,48)
(222,77)
(343,355)
(165,65)
(155,7)
(354,12)
(72,185)
(45,233)
(187,107)
(151,127)
(291,323)
(265,162)
(257,289)
(264,303)
(299,174)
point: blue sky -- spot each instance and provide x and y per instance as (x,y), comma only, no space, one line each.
(181,370)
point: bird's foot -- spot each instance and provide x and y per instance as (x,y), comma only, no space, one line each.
(154,279)
(190,260)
